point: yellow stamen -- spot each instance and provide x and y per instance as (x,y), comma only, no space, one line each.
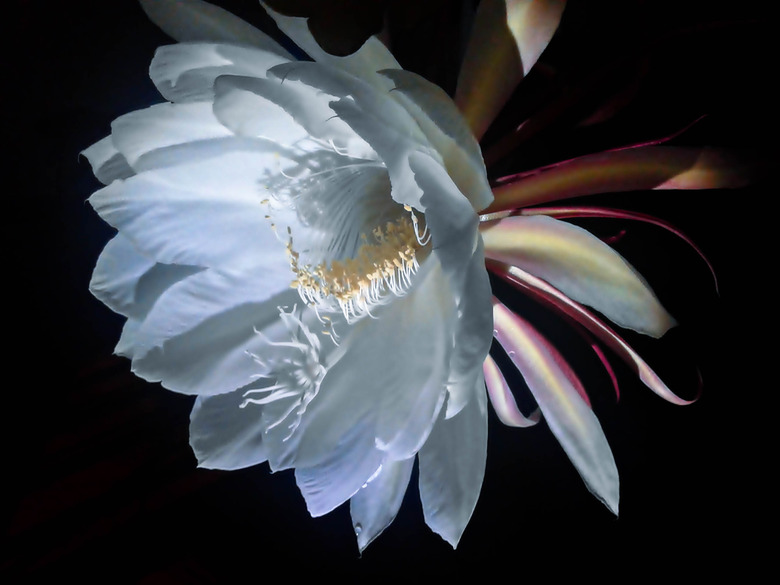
(382,264)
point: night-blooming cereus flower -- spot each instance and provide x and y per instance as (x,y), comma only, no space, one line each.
(299,245)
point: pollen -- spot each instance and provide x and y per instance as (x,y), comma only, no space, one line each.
(382,267)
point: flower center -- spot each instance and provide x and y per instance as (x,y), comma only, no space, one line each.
(381,267)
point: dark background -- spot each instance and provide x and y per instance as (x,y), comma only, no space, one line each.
(101,483)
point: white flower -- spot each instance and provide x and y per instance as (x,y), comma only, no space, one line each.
(298,246)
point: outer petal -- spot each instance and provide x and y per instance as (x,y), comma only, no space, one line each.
(196,337)
(580,265)
(363,63)
(447,131)
(225,436)
(375,506)
(452,465)
(558,393)
(163,126)
(129,283)
(107,162)
(507,38)
(194,20)
(208,213)
(338,477)
(186,72)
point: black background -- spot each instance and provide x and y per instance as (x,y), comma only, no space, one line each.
(101,483)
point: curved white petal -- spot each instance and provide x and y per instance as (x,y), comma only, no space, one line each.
(580,265)
(208,213)
(558,392)
(199,336)
(457,244)
(286,111)
(186,72)
(452,466)
(391,378)
(195,20)
(129,283)
(116,275)
(449,215)
(126,344)
(473,332)
(199,297)
(447,130)
(375,116)
(225,436)
(375,506)
(363,63)
(164,125)
(341,474)
(107,162)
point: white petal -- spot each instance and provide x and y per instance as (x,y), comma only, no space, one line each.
(198,336)
(194,20)
(338,477)
(186,72)
(197,298)
(449,215)
(210,213)
(447,131)
(456,242)
(164,125)
(129,283)
(375,506)
(390,380)
(284,110)
(473,333)
(363,63)
(452,466)
(246,113)
(126,344)
(581,266)
(375,116)
(225,436)
(107,162)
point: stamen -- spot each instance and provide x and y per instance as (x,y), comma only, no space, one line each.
(383,264)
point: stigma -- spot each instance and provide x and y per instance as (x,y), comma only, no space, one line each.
(297,369)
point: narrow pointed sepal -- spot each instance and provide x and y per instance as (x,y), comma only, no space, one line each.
(557,390)
(503,400)
(631,169)
(581,266)
(507,38)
